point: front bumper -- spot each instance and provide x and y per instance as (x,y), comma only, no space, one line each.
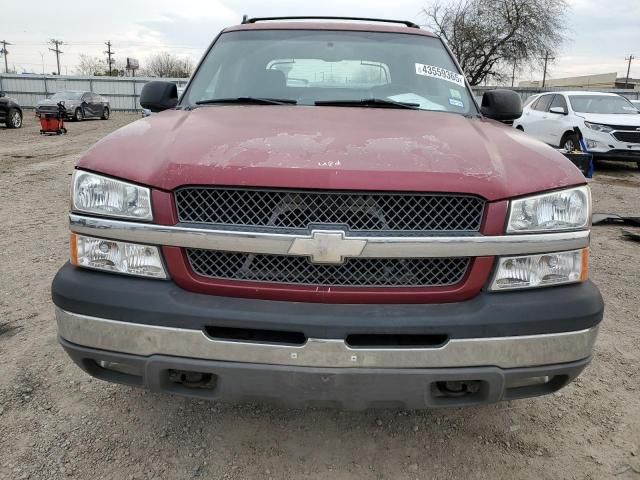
(153,329)
(610,148)
(347,388)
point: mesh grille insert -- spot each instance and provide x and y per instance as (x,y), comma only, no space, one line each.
(629,137)
(357,272)
(358,212)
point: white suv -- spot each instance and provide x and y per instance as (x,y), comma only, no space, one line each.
(609,123)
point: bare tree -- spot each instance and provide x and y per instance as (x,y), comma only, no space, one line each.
(490,36)
(165,64)
(90,65)
(119,68)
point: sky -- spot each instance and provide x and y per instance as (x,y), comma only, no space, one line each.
(601,32)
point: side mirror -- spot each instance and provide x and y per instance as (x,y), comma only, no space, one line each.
(158,96)
(502,105)
(558,110)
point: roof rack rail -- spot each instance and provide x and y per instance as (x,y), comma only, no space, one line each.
(245,19)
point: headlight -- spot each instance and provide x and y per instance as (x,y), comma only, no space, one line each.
(100,195)
(540,270)
(598,127)
(562,210)
(116,256)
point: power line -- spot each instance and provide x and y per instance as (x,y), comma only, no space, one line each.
(57,50)
(626,83)
(109,53)
(5,52)
(544,74)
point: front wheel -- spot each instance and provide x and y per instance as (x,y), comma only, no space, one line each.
(105,114)
(14,119)
(570,142)
(77,115)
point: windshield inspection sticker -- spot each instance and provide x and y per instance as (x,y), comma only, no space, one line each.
(441,73)
(456,103)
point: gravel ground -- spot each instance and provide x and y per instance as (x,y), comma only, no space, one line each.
(56,422)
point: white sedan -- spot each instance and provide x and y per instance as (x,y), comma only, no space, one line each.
(609,123)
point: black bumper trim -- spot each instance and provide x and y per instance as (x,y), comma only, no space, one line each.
(162,303)
(351,388)
(619,155)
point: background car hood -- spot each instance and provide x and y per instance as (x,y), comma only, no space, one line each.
(330,148)
(632,119)
(48,101)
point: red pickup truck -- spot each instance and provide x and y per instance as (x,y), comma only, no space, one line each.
(326,217)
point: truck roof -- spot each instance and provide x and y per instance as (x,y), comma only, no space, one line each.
(316,25)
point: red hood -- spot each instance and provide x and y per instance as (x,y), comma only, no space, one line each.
(330,148)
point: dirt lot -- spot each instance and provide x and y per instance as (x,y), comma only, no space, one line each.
(56,422)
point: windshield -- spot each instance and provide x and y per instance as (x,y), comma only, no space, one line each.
(66,96)
(602,104)
(309,66)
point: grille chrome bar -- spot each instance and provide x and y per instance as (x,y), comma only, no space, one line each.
(376,246)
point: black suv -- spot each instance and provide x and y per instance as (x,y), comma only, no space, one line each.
(10,112)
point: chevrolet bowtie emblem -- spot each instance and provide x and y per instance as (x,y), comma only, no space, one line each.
(328,246)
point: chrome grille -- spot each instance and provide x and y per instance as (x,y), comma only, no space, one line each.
(629,137)
(356,211)
(354,272)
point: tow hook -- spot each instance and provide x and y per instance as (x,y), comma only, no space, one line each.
(192,379)
(458,389)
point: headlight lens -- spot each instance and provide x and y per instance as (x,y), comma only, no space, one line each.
(540,270)
(598,127)
(100,195)
(563,210)
(115,256)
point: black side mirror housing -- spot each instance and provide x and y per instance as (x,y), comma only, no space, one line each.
(158,96)
(502,105)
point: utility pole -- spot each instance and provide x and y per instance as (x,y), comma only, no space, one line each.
(513,74)
(626,83)
(4,52)
(57,51)
(547,58)
(109,54)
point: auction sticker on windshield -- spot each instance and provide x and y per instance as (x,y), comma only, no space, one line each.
(439,72)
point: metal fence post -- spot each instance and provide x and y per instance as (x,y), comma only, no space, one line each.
(135,103)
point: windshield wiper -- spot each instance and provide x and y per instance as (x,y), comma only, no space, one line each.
(368,102)
(248,101)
